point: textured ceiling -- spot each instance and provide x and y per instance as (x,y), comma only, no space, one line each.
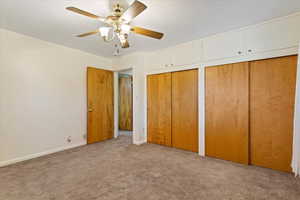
(180,20)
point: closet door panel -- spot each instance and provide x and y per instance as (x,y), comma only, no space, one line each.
(185,110)
(159,109)
(272,97)
(227,112)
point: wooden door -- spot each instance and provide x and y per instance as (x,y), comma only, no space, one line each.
(100,92)
(185,110)
(272,97)
(227,112)
(159,109)
(125,102)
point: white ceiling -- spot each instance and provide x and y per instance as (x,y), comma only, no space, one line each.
(180,20)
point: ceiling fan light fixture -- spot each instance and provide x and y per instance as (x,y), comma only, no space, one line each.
(104,31)
(122,38)
(125,28)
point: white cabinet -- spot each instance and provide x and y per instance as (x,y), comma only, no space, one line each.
(225,45)
(159,59)
(180,55)
(188,53)
(278,34)
(163,58)
(275,35)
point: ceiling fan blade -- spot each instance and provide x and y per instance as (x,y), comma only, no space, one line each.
(123,40)
(89,33)
(134,10)
(146,32)
(85,13)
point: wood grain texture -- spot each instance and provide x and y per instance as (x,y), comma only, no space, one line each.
(125,103)
(147,32)
(135,9)
(272,97)
(227,112)
(159,109)
(100,94)
(185,110)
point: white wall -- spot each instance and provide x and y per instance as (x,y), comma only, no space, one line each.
(43,96)
(1,89)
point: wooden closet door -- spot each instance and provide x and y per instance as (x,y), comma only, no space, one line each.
(227,112)
(100,93)
(272,98)
(159,109)
(185,110)
(125,102)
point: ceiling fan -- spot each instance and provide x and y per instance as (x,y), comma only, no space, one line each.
(118,23)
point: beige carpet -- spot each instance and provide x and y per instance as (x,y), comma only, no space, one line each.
(117,169)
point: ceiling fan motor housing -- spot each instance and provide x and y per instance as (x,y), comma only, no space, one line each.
(118,10)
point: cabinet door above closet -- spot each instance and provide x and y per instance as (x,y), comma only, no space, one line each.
(280,34)
(225,45)
(187,53)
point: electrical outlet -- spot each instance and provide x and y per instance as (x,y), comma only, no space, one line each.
(69,139)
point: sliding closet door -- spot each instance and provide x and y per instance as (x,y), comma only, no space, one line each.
(159,109)
(185,110)
(272,96)
(227,112)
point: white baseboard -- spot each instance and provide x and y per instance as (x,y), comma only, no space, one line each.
(139,142)
(36,155)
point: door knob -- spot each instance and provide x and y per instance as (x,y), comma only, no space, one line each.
(90,110)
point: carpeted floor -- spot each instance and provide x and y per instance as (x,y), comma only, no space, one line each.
(116,169)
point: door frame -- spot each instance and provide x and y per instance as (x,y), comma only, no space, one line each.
(201,83)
